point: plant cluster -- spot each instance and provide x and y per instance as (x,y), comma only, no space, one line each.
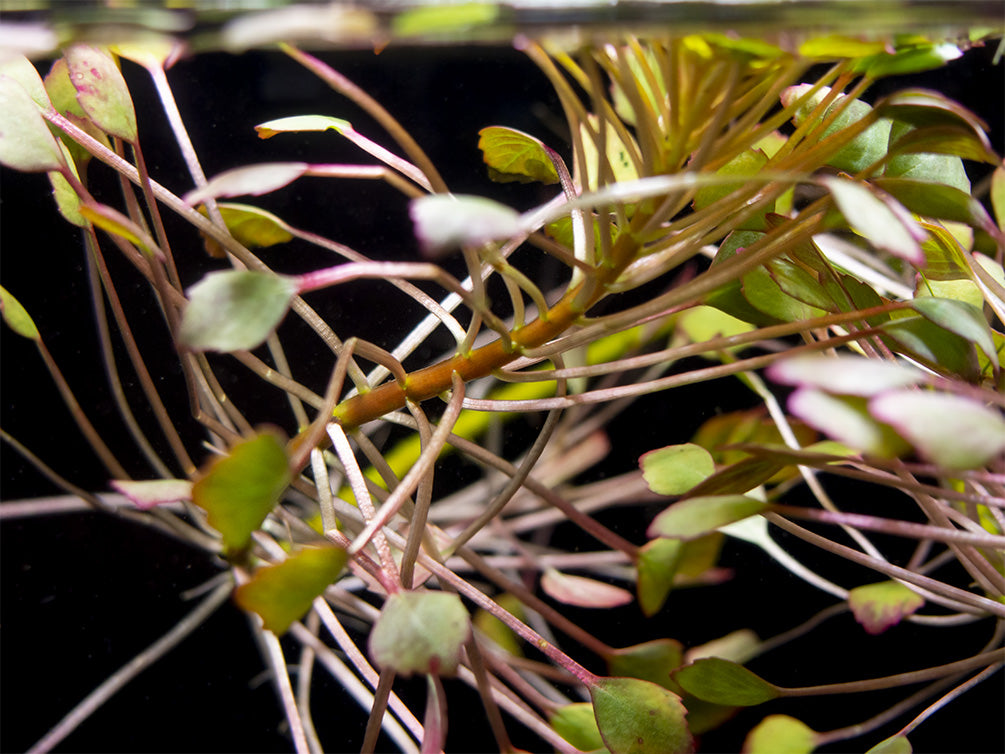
(723,209)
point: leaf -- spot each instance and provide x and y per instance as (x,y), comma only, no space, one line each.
(280,594)
(23,72)
(250,226)
(299,123)
(581,591)
(892,745)
(738,477)
(835,46)
(651,661)
(497,631)
(883,222)
(115,223)
(702,323)
(250,179)
(955,140)
(847,420)
(747,163)
(444,222)
(67,200)
(764,294)
(149,494)
(736,646)
(960,318)
(240,489)
(691,518)
(914,59)
(723,682)
(934,346)
(922,107)
(577,724)
(936,200)
(420,632)
(25,140)
(436,19)
(780,734)
(101,90)
(848,375)
(17,317)
(949,430)
(656,567)
(235,310)
(998,195)
(675,469)
(515,156)
(943,169)
(879,606)
(638,717)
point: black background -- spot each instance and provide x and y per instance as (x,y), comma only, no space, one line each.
(83,593)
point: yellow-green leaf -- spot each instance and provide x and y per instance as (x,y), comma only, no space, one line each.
(101,90)
(879,606)
(638,717)
(675,469)
(420,632)
(16,317)
(723,682)
(780,734)
(515,156)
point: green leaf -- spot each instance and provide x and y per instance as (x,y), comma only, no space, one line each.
(253,227)
(577,724)
(934,346)
(737,646)
(21,70)
(880,219)
(945,169)
(913,59)
(764,293)
(936,200)
(299,123)
(235,310)
(436,19)
(280,594)
(675,469)
(515,156)
(862,151)
(960,318)
(17,317)
(723,682)
(638,717)
(741,476)
(420,632)
(250,179)
(101,90)
(67,199)
(949,430)
(835,47)
(702,323)
(892,745)
(847,420)
(651,661)
(581,591)
(847,374)
(656,567)
(25,140)
(780,734)
(148,494)
(923,107)
(747,163)
(998,195)
(444,222)
(691,518)
(240,489)
(879,606)
(951,140)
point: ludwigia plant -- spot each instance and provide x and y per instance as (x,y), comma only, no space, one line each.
(723,209)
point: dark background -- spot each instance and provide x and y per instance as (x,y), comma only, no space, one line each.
(83,593)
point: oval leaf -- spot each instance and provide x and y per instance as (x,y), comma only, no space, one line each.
(847,420)
(577,724)
(16,316)
(638,717)
(101,90)
(696,516)
(675,469)
(958,317)
(515,156)
(444,222)
(250,226)
(651,661)
(297,123)
(420,632)
(656,567)
(250,179)
(581,591)
(723,682)
(893,745)
(847,375)
(240,489)
(235,310)
(25,140)
(149,494)
(780,734)
(949,430)
(881,220)
(879,606)
(282,593)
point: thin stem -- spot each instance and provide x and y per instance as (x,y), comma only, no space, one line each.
(377,710)
(281,677)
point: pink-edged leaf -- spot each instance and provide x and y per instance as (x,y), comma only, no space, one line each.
(879,218)
(149,494)
(638,717)
(250,179)
(780,734)
(420,632)
(101,90)
(581,591)
(25,140)
(434,722)
(879,606)
(847,420)
(949,430)
(846,375)
(444,222)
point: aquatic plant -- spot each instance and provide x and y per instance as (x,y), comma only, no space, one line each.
(722,209)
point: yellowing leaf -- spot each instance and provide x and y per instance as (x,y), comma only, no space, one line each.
(16,317)
(515,156)
(298,123)
(780,734)
(282,593)
(879,606)
(251,226)
(240,489)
